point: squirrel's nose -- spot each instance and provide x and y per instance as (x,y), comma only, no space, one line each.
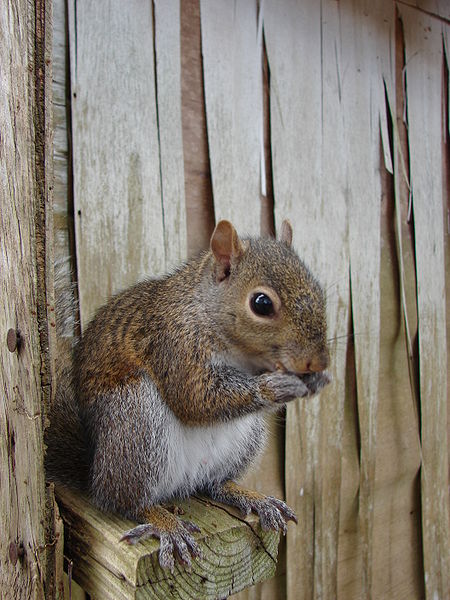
(318,363)
(310,364)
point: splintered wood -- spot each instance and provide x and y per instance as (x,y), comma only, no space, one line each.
(352,130)
(424,81)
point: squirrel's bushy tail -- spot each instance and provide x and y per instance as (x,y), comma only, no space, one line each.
(67,454)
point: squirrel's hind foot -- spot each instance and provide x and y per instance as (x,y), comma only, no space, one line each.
(273,513)
(174,534)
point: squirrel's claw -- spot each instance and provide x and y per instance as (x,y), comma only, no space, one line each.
(315,382)
(174,535)
(139,533)
(273,513)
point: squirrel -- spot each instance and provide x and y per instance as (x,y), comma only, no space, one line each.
(172,379)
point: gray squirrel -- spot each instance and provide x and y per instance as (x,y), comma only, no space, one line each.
(168,388)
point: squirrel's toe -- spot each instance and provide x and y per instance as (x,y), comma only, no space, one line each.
(274,514)
(176,541)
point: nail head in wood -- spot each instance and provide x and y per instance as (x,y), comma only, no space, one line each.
(15,552)
(12,340)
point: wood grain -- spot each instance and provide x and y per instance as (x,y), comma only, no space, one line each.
(312,203)
(28,560)
(168,78)
(361,107)
(116,154)
(335,273)
(352,457)
(232,68)
(235,554)
(198,187)
(424,59)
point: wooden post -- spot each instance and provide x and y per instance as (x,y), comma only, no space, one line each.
(236,553)
(29,537)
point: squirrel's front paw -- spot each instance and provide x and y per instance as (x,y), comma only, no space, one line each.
(315,382)
(284,387)
(174,535)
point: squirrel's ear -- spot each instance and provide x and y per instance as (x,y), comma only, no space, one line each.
(286,233)
(226,247)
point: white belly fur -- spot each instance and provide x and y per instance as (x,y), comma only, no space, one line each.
(201,454)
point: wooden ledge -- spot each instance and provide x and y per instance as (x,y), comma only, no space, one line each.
(236,553)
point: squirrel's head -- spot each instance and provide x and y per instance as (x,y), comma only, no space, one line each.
(268,306)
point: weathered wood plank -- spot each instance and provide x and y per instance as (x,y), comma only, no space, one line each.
(233,91)
(63,226)
(446,209)
(117,183)
(168,77)
(423,47)
(396,531)
(298,50)
(397,572)
(62,185)
(335,271)
(27,525)
(235,553)
(292,35)
(199,203)
(366,42)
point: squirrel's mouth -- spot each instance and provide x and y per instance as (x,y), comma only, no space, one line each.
(279,366)
(308,367)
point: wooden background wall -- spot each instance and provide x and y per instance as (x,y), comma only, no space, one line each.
(172,115)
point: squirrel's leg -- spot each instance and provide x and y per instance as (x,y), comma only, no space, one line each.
(273,513)
(174,535)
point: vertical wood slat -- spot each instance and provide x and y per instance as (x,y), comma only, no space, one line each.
(198,187)
(28,537)
(63,233)
(292,35)
(61,149)
(446,198)
(336,273)
(117,169)
(233,91)
(168,77)
(232,59)
(424,60)
(316,207)
(398,433)
(361,103)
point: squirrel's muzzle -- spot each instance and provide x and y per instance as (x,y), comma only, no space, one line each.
(319,363)
(313,364)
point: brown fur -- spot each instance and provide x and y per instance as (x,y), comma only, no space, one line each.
(171,328)
(189,349)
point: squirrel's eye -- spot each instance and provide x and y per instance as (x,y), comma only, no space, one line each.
(262,305)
